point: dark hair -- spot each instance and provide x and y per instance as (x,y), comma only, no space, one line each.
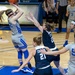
(8,11)
(37,40)
(49,27)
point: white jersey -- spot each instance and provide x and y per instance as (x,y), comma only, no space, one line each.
(71,11)
(71,63)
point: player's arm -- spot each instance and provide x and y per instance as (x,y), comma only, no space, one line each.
(31,54)
(36,23)
(57,6)
(19,14)
(67,11)
(54,52)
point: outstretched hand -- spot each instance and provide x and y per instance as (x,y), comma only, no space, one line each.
(15,71)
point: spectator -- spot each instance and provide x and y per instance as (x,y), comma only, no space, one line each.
(49,7)
(62,5)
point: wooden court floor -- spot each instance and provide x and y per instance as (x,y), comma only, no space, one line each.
(8,54)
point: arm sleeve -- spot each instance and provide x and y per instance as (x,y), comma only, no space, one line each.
(68,46)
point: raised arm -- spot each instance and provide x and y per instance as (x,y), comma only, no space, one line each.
(31,18)
(19,13)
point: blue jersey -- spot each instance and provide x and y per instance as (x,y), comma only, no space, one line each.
(48,39)
(40,59)
(15,28)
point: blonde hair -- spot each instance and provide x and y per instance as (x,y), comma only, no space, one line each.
(38,40)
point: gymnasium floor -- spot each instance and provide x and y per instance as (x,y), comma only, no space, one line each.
(8,54)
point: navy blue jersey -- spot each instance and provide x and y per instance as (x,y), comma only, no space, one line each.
(48,39)
(15,28)
(40,59)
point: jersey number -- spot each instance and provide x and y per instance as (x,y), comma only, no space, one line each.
(42,56)
(73,52)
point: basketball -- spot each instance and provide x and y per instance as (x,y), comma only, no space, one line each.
(13,1)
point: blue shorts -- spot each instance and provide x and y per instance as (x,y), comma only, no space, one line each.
(51,58)
(19,41)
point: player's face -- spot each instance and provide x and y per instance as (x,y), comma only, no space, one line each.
(72,26)
(34,43)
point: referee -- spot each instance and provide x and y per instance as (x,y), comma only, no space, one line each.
(61,10)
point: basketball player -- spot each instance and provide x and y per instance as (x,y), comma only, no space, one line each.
(71,64)
(71,14)
(71,49)
(17,36)
(47,40)
(42,65)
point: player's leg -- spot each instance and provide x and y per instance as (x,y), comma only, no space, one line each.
(57,64)
(15,41)
(67,37)
(19,56)
(71,69)
(67,33)
(23,47)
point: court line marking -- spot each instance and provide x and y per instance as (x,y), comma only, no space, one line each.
(2,67)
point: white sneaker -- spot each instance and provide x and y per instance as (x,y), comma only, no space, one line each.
(27,70)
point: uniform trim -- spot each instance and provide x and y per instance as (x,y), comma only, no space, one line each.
(53,48)
(45,67)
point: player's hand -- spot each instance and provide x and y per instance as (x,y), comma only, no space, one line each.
(43,51)
(15,71)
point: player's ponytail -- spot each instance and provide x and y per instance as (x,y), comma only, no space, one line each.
(8,11)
